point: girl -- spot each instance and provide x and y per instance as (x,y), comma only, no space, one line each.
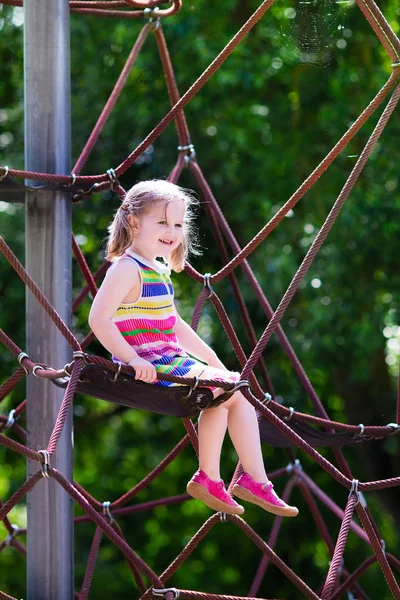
(134,317)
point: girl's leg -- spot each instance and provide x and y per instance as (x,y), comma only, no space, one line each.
(245,435)
(240,417)
(213,423)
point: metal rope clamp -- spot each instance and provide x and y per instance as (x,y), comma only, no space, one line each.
(394,426)
(163,591)
(112,176)
(294,466)
(267,399)
(107,512)
(37,368)
(118,371)
(354,490)
(242,383)
(20,357)
(11,419)
(45,462)
(151,14)
(289,416)
(4,174)
(188,157)
(207,283)
(193,387)
(72,182)
(12,535)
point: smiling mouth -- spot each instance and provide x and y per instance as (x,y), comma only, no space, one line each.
(166,242)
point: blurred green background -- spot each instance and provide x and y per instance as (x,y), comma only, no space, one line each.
(260,126)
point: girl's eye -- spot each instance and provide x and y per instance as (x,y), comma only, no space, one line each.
(161,222)
(178,225)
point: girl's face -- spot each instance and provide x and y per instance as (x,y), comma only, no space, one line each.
(159,232)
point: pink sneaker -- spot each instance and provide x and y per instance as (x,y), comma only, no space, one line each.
(263,494)
(213,493)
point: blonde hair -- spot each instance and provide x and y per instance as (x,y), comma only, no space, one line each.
(139,200)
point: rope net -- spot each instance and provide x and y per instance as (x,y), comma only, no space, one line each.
(338,579)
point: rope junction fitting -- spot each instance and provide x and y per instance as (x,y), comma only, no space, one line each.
(194,386)
(21,356)
(112,176)
(45,462)
(163,591)
(118,371)
(294,466)
(107,512)
(354,489)
(190,156)
(151,14)
(11,535)
(291,409)
(73,179)
(207,283)
(267,399)
(37,368)
(4,174)
(11,419)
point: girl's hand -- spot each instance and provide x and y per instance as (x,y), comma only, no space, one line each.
(144,370)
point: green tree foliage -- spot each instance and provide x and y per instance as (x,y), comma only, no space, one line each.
(260,126)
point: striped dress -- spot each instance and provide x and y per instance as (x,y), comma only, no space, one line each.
(148,325)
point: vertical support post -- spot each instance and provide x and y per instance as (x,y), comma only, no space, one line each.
(48,261)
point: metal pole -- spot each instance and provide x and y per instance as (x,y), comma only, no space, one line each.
(48,260)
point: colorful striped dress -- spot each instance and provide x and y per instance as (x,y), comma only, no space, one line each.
(148,325)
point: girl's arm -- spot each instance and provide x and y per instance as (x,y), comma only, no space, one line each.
(194,345)
(122,279)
